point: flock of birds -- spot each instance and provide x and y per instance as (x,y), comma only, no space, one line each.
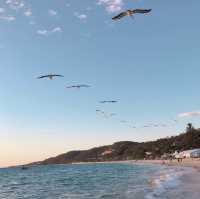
(129,13)
(102,112)
(52,76)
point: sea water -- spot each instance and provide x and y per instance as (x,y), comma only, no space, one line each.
(91,181)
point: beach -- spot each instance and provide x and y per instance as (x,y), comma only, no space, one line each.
(189,180)
(194,163)
(188,162)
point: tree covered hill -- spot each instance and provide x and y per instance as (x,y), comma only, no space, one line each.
(127,150)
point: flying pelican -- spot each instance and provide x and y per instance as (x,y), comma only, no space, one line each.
(131,13)
(101,112)
(123,121)
(112,114)
(163,125)
(79,86)
(98,110)
(108,101)
(106,115)
(50,76)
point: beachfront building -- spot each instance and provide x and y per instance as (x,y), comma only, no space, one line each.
(107,152)
(166,156)
(194,153)
(176,155)
(148,155)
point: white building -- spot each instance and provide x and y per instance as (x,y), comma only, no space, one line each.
(194,153)
(107,152)
(177,155)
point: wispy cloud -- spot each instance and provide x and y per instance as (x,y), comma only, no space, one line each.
(57,29)
(28,13)
(42,32)
(80,16)
(7,18)
(189,114)
(89,8)
(111,5)
(2,10)
(32,22)
(18,6)
(68,4)
(15,4)
(52,12)
(48,32)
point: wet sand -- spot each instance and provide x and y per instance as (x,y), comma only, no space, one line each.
(189,187)
(195,163)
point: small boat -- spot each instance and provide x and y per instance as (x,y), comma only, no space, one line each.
(24,167)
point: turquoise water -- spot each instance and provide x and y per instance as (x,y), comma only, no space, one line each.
(86,181)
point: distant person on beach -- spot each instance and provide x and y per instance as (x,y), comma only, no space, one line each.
(163,162)
(180,160)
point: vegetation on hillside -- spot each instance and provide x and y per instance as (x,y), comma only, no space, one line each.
(127,150)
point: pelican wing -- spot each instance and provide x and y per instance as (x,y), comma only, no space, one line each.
(85,85)
(49,76)
(112,101)
(56,75)
(78,86)
(119,16)
(82,86)
(70,86)
(141,11)
(42,76)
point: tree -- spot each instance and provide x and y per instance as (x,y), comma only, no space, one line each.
(189,128)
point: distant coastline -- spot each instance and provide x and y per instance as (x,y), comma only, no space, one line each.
(151,151)
(194,163)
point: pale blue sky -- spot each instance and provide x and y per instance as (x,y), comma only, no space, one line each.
(150,64)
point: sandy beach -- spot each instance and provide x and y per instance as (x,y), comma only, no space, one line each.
(189,180)
(195,163)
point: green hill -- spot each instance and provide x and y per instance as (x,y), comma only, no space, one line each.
(127,150)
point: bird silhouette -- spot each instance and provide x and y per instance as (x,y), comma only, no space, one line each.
(108,101)
(50,76)
(78,86)
(131,13)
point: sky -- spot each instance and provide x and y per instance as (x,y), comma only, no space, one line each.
(149,64)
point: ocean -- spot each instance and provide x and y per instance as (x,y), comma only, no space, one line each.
(98,181)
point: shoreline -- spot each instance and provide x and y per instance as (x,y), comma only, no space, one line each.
(193,163)
(188,162)
(182,178)
(185,180)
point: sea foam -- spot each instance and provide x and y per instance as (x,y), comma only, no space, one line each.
(166,180)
